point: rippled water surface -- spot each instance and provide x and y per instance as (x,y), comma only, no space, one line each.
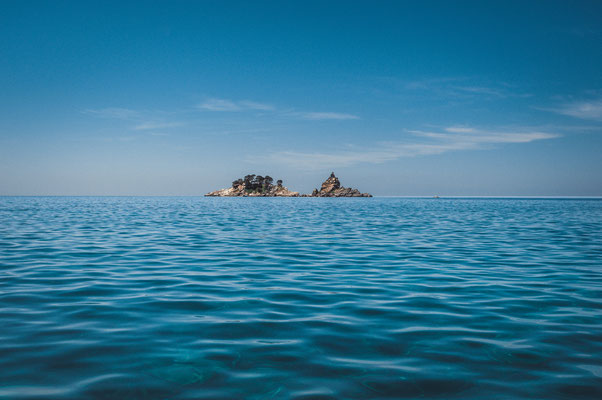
(258,298)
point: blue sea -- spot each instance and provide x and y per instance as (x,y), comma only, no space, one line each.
(300,298)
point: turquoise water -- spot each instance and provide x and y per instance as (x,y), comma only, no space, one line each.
(263,298)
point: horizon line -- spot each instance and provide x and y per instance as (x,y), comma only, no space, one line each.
(380,196)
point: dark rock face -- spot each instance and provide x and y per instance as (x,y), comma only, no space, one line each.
(331,184)
(332,188)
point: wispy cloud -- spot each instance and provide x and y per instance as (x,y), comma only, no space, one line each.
(591,109)
(253,105)
(428,143)
(215,104)
(225,105)
(141,120)
(153,125)
(325,115)
(469,137)
(481,90)
(219,105)
(459,129)
(156,120)
(462,88)
(113,112)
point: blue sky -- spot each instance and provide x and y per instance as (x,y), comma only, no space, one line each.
(417,98)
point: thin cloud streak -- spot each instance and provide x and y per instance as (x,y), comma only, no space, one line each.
(326,116)
(113,112)
(501,93)
(459,129)
(219,105)
(143,120)
(481,90)
(225,105)
(438,143)
(146,126)
(215,104)
(253,105)
(591,110)
(462,88)
(487,137)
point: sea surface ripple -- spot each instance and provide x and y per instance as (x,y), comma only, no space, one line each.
(276,298)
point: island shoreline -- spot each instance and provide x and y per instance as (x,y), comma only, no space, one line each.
(259,186)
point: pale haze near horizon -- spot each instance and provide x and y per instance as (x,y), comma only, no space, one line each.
(181,98)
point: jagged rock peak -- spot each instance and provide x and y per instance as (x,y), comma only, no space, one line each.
(331,187)
(330,184)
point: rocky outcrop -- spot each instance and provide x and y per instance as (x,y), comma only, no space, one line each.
(259,186)
(254,186)
(331,187)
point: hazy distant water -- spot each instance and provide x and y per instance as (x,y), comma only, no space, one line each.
(229,298)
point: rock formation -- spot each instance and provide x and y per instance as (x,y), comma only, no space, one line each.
(331,187)
(259,186)
(254,186)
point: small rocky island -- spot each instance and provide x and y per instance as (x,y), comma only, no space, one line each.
(260,186)
(255,186)
(331,187)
